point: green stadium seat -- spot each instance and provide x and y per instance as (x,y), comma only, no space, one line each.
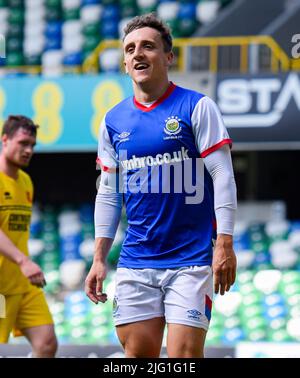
(14,59)
(186,27)
(109,2)
(14,45)
(91,29)
(16,16)
(91,42)
(279,336)
(71,14)
(15,4)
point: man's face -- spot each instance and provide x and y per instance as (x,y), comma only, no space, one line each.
(18,149)
(144,57)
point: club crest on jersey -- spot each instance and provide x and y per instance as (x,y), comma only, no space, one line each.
(172,126)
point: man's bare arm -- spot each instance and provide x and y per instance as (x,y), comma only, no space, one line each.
(30,269)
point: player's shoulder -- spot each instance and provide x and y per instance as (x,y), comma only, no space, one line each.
(189,93)
(25,179)
(4,179)
(200,99)
(191,100)
(190,96)
(118,109)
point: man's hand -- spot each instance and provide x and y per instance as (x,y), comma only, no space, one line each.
(32,271)
(224,264)
(94,282)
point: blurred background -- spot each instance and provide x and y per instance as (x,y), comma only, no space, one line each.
(63,68)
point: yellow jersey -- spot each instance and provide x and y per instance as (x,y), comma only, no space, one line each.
(15,213)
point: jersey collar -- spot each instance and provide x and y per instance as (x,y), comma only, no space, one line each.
(167,93)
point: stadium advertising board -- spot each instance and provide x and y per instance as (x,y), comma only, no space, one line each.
(261,111)
(69,109)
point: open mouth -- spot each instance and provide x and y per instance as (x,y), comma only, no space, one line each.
(141,66)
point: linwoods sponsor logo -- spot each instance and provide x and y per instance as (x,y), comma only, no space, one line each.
(2,46)
(159,159)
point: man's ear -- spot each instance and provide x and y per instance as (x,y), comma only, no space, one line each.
(170,58)
(125,68)
(4,138)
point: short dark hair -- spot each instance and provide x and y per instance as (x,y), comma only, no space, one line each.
(16,122)
(152,21)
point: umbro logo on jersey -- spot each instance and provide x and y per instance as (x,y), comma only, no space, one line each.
(124,136)
(172,127)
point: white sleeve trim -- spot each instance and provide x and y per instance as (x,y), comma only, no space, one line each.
(219,165)
(208,127)
(107,157)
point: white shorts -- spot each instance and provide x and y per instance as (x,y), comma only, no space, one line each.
(181,295)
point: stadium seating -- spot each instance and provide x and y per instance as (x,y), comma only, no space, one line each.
(62,33)
(263,305)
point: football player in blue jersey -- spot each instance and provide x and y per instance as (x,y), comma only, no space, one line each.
(154,147)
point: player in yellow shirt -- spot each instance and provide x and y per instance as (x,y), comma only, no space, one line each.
(23,302)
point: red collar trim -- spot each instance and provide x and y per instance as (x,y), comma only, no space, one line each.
(167,93)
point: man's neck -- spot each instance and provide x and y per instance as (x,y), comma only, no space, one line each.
(8,168)
(145,93)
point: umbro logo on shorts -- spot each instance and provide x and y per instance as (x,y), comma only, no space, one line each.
(194,314)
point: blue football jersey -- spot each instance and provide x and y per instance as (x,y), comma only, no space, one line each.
(167,191)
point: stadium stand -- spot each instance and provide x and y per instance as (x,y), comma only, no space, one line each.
(62,35)
(58,33)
